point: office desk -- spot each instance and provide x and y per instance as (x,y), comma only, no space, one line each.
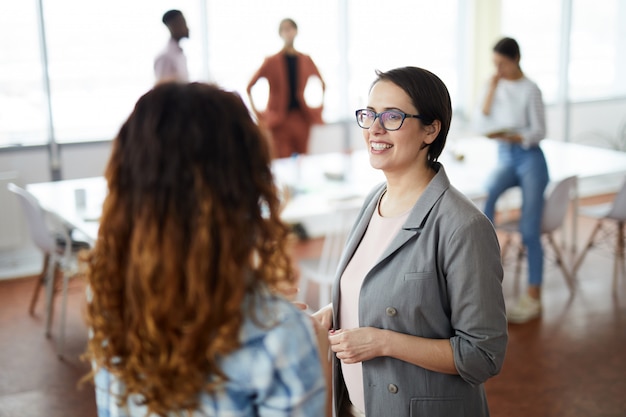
(317,185)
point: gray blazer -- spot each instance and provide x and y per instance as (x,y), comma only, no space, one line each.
(441,278)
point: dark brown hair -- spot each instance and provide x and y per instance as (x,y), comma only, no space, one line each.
(171,15)
(508,47)
(430,97)
(189,227)
(287,20)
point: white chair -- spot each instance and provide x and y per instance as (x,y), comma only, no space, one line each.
(613,213)
(52,237)
(321,271)
(553,217)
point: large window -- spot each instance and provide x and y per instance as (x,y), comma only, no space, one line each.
(535,24)
(100,54)
(100,58)
(23,105)
(598,49)
(596,43)
(386,35)
(242,33)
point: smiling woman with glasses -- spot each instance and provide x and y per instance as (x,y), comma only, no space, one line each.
(417,321)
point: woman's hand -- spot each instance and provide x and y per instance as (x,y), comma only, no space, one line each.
(324,317)
(290,289)
(513,138)
(493,83)
(505,136)
(356,345)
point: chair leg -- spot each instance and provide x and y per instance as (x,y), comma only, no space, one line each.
(569,280)
(586,248)
(618,263)
(61,346)
(505,247)
(40,281)
(518,265)
(50,284)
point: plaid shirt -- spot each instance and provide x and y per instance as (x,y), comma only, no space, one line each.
(275,372)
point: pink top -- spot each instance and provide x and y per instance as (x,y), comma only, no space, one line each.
(379,234)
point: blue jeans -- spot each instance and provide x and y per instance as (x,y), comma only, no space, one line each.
(527,169)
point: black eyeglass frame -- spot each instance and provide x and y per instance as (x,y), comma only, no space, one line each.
(377,115)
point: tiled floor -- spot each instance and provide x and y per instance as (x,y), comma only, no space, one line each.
(571,362)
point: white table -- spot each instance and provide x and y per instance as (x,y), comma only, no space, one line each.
(469,173)
(321,183)
(77,202)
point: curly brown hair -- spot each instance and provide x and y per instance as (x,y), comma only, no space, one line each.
(189,227)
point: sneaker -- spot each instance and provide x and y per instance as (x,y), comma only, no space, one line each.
(527,308)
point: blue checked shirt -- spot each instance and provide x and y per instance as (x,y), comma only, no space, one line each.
(276,372)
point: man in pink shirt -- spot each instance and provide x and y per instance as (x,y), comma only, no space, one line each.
(171,63)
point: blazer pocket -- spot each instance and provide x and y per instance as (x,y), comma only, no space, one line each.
(413,276)
(436,407)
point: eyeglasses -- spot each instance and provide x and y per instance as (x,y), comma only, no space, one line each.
(389,120)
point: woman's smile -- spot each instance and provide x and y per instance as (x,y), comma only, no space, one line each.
(380,146)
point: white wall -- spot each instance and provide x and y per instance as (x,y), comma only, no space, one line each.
(84,159)
(591,123)
(21,166)
(12,231)
(599,123)
(31,164)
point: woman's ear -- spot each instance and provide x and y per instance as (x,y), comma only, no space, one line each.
(432,131)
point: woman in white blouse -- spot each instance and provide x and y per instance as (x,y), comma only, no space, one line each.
(512,112)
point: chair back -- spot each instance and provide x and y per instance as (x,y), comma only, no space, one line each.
(322,270)
(618,209)
(556,204)
(338,227)
(35,218)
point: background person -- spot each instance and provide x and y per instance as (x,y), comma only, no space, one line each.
(287,116)
(512,112)
(418,319)
(190,245)
(171,63)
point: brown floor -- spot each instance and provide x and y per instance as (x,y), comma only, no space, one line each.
(571,362)
(33,381)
